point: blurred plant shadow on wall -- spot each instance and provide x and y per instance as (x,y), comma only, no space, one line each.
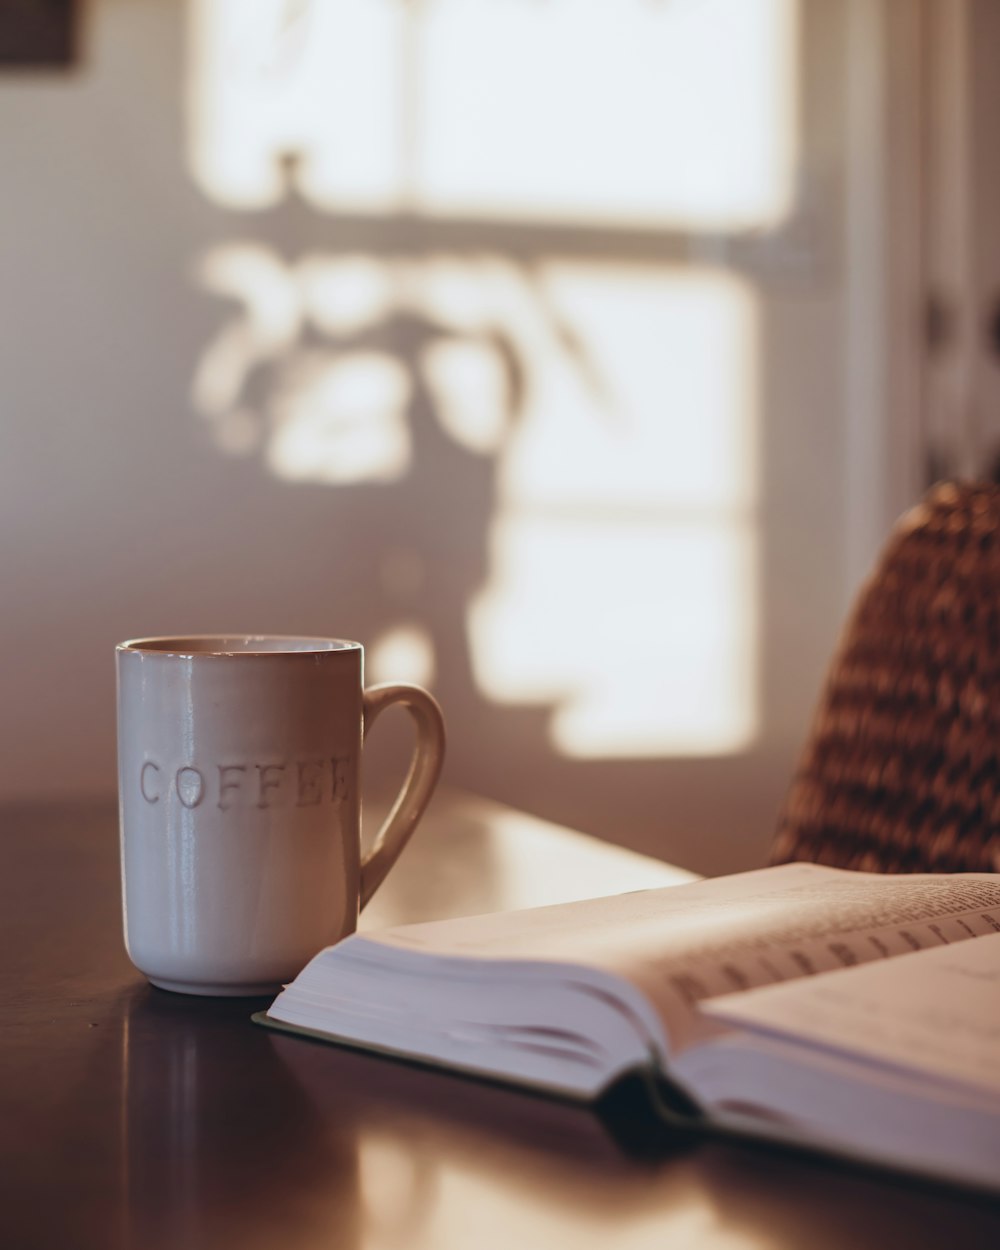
(533,408)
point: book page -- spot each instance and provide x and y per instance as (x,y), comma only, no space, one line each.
(937,1012)
(682,944)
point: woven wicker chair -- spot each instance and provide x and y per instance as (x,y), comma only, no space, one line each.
(902,769)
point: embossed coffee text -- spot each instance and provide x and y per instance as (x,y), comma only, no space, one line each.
(295,783)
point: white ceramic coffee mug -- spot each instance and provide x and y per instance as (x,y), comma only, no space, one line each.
(238,770)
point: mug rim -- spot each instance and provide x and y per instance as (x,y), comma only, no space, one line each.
(233,646)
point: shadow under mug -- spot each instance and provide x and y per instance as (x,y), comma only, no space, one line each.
(239,761)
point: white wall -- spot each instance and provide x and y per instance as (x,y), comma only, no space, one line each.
(119,517)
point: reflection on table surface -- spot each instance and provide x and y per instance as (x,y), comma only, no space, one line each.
(136,1118)
(473,856)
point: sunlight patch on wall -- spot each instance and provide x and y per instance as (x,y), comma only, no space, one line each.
(343,294)
(697,127)
(686,107)
(292,369)
(266,326)
(272,379)
(623,556)
(618,404)
(341,418)
(271,79)
(470,391)
(660,417)
(601,412)
(640,632)
(403,653)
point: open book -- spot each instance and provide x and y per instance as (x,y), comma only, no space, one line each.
(850,1012)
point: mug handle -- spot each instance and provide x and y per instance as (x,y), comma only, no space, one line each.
(425,768)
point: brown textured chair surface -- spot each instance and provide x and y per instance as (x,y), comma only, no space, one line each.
(901,772)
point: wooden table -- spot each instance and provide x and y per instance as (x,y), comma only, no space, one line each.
(130,1117)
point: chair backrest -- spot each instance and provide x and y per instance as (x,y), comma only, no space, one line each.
(901,771)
